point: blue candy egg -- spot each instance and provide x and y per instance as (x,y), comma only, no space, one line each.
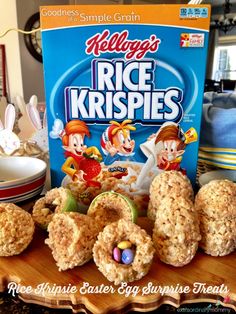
(127,256)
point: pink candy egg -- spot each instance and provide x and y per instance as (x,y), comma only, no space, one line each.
(117,254)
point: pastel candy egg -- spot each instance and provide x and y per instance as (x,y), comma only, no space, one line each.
(117,254)
(124,245)
(127,256)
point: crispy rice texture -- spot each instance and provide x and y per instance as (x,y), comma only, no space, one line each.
(151,211)
(217,199)
(108,239)
(16,229)
(218,236)
(108,208)
(168,183)
(216,205)
(71,237)
(176,231)
(43,210)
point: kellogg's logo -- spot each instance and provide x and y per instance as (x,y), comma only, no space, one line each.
(192,40)
(119,42)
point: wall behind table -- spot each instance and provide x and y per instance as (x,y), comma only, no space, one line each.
(8,19)
(32,70)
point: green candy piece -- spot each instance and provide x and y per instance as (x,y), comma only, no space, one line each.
(69,204)
(57,200)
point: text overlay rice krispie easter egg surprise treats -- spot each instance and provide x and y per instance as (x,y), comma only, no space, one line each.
(17,229)
(176,231)
(111,206)
(169,183)
(123,252)
(71,237)
(56,200)
(216,206)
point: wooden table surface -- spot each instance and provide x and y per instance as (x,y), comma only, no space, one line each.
(36,266)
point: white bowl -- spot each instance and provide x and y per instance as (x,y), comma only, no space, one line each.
(21,178)
(217,175)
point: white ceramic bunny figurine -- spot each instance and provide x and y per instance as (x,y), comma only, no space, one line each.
(26,127)
(9,141)
(40,134)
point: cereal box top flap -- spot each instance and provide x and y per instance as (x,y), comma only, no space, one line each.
(190,16)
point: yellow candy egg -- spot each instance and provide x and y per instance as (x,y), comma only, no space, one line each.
(124,245)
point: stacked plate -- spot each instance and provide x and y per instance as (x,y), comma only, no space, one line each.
(21,178)
(217,175)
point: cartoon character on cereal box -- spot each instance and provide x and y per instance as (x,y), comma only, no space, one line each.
(82,163)
(167,146)
(116,142)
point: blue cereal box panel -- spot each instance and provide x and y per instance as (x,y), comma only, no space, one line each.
(124,89)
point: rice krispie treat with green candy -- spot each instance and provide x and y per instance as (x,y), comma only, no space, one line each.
(176,231)
(123,252)
(168,183)
(16,229)
(110,206)
(216,205)
(71,237)
(56,200)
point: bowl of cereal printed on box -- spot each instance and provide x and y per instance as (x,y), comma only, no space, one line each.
(120,177)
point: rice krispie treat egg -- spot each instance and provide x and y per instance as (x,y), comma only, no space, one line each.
(176,231)
(217,199)
(55,201)
(111,236)
(71,237)
(16,229)
(168,183)
(173,253)
(177,218)
(151,211)
(110,206)
(218,236)
(216,205)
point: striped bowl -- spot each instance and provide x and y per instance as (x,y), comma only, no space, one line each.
(21,178)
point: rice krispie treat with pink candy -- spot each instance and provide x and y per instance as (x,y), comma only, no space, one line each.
(216,206)
(123,252)
(71,237)
(168,183)
(16,229)
(176,231)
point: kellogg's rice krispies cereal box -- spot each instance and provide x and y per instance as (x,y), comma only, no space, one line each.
(124,88)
